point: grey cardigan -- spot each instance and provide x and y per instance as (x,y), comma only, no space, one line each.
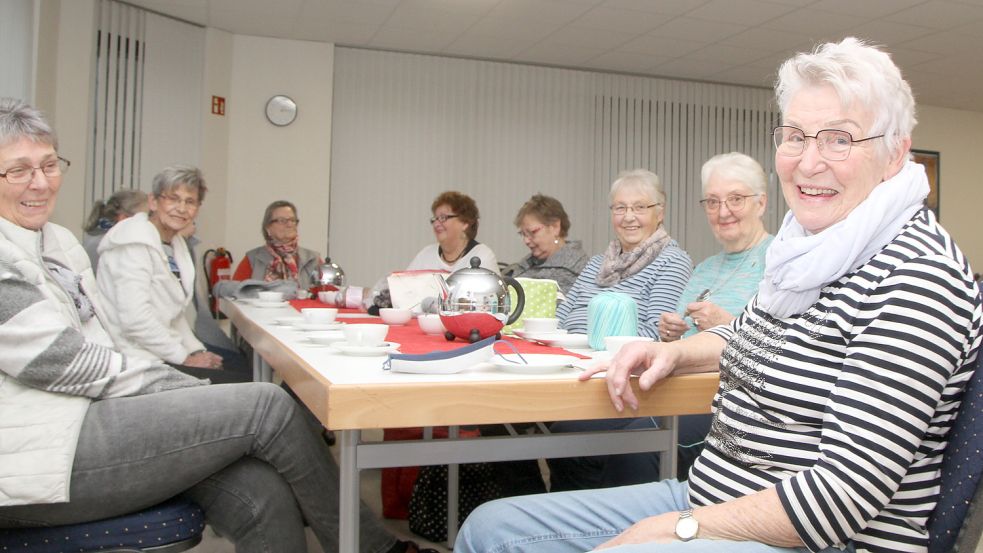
(563,266)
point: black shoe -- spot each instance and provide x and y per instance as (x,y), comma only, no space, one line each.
(328,436)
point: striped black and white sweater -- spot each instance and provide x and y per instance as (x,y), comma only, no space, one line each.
(846,408)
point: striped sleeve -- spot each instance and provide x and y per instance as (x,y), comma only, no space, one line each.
(910,336)
(42,351)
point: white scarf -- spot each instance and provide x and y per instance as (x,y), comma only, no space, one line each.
(798,264)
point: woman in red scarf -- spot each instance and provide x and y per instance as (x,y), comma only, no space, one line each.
(281,258)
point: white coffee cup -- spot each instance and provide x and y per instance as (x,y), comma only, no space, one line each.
(319,315)
(393,316)
(615,343)
(430,323)
(367,335)
(270,296)
(540,325)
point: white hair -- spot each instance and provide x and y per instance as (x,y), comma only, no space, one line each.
(736,166)
(862,75)
(640,179)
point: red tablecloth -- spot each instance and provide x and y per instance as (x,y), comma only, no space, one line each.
(412,340)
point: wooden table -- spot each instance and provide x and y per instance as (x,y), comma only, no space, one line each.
(351,394)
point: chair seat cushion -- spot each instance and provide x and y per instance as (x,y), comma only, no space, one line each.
(169,522)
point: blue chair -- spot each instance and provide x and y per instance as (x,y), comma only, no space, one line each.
(172,526)
(957,521)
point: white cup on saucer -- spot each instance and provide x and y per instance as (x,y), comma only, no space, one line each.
(270,297)
(366,335)
(540,325)
(614,343)
(430,323)
(319,315)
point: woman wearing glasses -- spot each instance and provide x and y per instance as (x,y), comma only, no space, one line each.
(644,262)
(734,198)
(455,225)
(281,257)
(147,276)
(840,380)
(543,225)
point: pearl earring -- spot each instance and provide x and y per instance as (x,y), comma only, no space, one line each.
(556,240)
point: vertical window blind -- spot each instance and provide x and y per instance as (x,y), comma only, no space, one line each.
(406,127)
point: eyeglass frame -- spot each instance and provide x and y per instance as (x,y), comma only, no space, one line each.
(636,209)
(815,138)
(705,202)
(186,202)
(531,233)
(61,171)
(285,221)
(442,218)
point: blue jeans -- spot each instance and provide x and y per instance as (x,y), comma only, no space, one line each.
(245,452)
(578,521)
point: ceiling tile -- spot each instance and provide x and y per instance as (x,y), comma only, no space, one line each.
(551,11)
(348,34)
(631,22)
(768,39)
(746,75)
(654,43)
(328,13)
(473,7)
(488,46)
(864,9)
(745,12)
(813,23)
(672,7)
(889,32)
(699,29)
(939,15)
(431,20)
(590,38)
(508,28)
(731,55)
(947,43)
(689,68)
(411,40)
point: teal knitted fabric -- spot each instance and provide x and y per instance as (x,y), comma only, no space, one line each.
(611,314)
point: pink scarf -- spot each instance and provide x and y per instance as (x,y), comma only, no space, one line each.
(284,265)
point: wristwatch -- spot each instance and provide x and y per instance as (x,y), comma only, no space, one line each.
(687,526)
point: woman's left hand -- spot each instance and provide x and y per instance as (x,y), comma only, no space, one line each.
(707,314)
(657,529)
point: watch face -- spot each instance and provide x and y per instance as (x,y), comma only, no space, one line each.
(686,528)
(281,110)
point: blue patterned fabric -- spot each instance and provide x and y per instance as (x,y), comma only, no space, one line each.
(961,468)
(172,521)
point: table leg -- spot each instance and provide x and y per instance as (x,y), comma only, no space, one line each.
(667,463)
(453,496)
(348,500)
(262,371)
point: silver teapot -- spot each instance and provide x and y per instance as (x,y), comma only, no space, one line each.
(475,304)
(329,275)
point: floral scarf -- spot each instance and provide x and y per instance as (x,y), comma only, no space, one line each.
(617,265)
(284,265)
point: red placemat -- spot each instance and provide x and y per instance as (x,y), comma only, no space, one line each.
(412,340)
(300,304)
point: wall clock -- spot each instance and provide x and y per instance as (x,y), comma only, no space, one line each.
(281,110)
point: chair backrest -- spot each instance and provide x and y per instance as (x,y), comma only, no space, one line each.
(962,469)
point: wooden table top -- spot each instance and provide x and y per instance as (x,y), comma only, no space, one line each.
(347,393)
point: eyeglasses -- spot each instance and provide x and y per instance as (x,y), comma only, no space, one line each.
(190,203)
(24,175)
(531,233)
(620,210)
(442,218)
(285,220)
(735,202)
(833,145)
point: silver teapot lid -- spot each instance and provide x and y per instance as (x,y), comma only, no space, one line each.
(330,273)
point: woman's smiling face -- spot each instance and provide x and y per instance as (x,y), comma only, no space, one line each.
(822,193)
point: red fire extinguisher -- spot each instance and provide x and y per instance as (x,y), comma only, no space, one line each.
(218,263)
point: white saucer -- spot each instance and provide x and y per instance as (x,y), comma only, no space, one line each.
(364,351)
(560,340)
(289,321)
(312,327)
(258,303)
(536,363)
(525,334)
(325,338)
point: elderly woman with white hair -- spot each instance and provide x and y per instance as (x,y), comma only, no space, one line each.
(644,262)
(839,381)
(735,195)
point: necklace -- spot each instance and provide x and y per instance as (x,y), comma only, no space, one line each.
(440,250)
(721,280)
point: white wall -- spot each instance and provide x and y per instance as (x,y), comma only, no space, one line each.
(216,81)
(957,136)
(17,44)
(266,162)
